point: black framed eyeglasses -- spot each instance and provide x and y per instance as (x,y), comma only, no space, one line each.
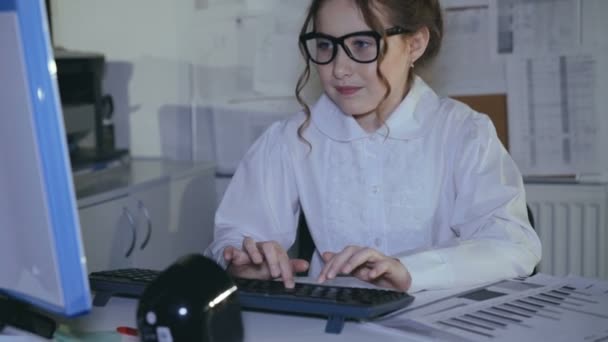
(361,47)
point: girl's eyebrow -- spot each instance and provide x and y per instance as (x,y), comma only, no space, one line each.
(346,34)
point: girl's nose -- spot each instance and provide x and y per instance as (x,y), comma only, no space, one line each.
(342,64)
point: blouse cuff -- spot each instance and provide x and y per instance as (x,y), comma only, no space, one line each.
(427,269)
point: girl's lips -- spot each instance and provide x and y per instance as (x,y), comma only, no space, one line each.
(347,90)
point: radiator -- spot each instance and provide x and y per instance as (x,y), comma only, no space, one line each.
(571,223)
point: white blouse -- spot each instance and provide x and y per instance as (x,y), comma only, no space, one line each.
(434,188)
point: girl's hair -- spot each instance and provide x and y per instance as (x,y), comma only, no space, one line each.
(410,15)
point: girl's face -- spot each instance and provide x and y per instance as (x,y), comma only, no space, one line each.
(355,87)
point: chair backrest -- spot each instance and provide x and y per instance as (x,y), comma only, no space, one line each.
(532,223)
(306,247)
(530,216)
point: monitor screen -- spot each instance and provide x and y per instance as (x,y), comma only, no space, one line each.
(42,260)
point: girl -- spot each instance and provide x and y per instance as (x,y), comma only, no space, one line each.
(399,187)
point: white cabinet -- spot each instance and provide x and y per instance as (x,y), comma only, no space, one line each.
(105,234)
(151,206)
(146,215)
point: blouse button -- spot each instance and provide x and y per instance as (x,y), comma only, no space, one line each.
(375,189)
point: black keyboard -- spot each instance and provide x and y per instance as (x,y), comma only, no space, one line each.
(128,282)
(335,303)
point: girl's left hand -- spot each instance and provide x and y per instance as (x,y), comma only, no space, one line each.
(368,265)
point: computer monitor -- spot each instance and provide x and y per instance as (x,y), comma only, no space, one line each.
(42,261)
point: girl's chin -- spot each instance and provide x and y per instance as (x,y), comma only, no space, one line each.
(356,110)
(353,107)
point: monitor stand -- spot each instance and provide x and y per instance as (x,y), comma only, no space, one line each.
(19,315)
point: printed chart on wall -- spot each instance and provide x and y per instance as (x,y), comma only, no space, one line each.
(464,65)
(523,27)
(555,114)
(556,86)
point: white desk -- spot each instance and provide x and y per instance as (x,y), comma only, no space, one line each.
(581,312)
(258,327)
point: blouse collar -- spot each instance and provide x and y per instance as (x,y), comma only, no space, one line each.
(411,119)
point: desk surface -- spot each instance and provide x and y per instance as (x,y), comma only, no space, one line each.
(565,309)
(562,309)
(258,326)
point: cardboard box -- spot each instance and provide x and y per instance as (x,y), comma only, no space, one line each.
(495,106)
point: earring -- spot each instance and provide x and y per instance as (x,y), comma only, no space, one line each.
(412,66)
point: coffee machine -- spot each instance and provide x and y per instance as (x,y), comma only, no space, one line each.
(87,111)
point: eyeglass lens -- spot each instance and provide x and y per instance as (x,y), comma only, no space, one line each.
(361,48)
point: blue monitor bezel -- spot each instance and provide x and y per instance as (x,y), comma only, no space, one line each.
(54,159)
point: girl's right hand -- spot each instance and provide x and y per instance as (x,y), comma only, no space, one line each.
(263,260)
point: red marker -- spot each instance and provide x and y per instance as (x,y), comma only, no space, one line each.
(127,331)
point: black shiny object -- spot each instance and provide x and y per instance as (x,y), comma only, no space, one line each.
(186,302)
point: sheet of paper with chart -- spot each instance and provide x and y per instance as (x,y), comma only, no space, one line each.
(278,62)
(594,26)
(524,27)
(564,309)
(554,114)
(464,65)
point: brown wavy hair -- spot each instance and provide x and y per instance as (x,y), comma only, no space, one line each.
(411,15)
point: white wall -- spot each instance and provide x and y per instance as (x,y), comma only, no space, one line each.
(166,58)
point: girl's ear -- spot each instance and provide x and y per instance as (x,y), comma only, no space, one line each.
(417,43)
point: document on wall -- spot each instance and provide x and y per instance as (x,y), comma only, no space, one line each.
(218,72)
(210,4)
(464,65)
(565,309)
(523,27)
(594,24)
(261,5)
(277,65)
(278,62)
(553,114)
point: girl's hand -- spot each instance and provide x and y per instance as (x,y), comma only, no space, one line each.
(368,265)
(263,260)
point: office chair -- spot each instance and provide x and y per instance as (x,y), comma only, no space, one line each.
(530,216)
(531,219)
(306,246)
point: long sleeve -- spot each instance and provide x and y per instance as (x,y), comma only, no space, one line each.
(493,238)
(261,201)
